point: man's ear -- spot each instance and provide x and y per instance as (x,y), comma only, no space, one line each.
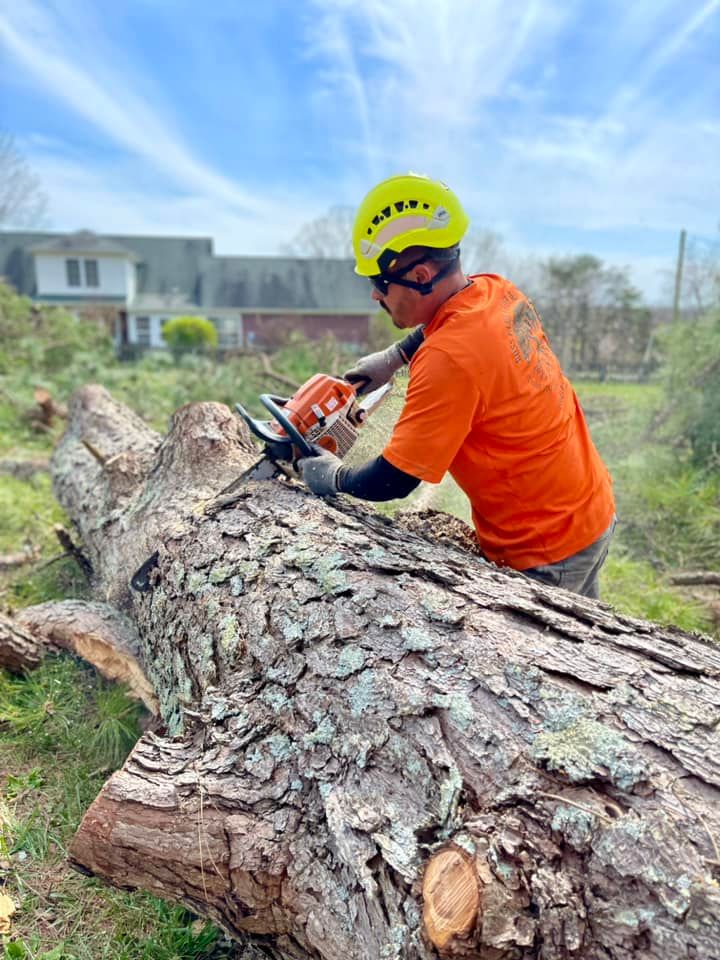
(423,273)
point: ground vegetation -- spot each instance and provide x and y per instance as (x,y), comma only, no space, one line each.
(62,730)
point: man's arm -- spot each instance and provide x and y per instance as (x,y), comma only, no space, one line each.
(375,480)
(379,368)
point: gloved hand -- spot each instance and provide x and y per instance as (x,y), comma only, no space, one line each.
(320,472)
(376,369)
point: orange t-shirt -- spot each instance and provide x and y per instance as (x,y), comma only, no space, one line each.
(488,401)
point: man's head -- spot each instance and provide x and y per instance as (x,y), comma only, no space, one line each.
(405,238)
(422,278)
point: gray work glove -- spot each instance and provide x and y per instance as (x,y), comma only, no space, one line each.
(376,369)
(320,472)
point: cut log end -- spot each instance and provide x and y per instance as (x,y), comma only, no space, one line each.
(451,900)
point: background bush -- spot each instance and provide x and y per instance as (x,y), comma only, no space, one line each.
(190,334)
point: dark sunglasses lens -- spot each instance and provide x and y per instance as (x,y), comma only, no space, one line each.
(380,284)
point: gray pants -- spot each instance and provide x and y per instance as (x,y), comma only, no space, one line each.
(579,573)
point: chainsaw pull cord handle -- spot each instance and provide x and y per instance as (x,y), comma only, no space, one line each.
(271,404)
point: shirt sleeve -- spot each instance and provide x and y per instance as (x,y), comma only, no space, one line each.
(442,404)
(375,480)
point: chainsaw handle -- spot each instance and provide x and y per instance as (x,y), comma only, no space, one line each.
(274,406)
(359,381)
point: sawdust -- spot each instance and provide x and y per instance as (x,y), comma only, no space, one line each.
(442,527)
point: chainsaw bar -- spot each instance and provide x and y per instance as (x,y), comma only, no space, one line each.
(265,469)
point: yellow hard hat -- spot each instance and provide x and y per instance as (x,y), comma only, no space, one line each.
(405,211)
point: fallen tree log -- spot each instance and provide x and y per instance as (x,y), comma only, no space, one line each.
(20,649)
(9,561)
(696,577)
(377,745)
(24,469)
(95,632)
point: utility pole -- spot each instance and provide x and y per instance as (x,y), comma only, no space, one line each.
(678,276)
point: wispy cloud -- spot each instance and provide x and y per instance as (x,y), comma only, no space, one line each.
(550,118)
(65,66)
(663,54)
(422,71)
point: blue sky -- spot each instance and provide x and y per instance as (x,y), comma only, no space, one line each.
(566,127)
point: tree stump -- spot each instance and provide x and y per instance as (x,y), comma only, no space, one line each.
(376,744)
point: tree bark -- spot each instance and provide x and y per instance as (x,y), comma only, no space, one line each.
(20,650)
(378,745)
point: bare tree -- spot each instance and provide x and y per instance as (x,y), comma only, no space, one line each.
(482,252)
(23,202)
(327,236)
(701,282)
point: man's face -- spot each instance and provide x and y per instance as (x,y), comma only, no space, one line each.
(401,304)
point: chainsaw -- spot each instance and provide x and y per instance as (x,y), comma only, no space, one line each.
(325,412)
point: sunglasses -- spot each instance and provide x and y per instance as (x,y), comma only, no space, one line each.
(382,281)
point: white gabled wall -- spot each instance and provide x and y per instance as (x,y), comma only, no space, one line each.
(116,276)
(130,281)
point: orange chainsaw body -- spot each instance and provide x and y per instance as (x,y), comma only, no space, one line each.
(325,411)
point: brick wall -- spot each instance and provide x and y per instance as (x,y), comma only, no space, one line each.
(272,330)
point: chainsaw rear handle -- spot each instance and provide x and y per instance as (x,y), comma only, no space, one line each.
(262,429)
(360,381)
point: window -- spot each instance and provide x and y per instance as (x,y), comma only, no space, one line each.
(72,271)
(227,328)
(142,331)
(92,275)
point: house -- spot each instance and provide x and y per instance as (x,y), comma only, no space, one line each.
(137,283)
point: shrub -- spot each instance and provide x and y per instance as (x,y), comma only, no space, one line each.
(691,378)
(190,334)
(45,339)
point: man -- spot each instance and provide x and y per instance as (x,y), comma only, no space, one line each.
(486,400)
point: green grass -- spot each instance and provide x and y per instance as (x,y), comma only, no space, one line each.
(635,588)
(27,512)
(63,730)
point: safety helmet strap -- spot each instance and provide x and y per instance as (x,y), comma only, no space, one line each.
(424,289)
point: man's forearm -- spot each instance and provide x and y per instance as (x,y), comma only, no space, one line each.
(409,345)
(376,480)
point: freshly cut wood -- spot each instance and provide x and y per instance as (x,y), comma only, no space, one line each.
(93,631)
(377,745)
(47,409)
(451,899)
(97,633)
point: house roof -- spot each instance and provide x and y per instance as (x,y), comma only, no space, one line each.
(84,241)
(162,303)
(185,270)
(291,283)
(163,264)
